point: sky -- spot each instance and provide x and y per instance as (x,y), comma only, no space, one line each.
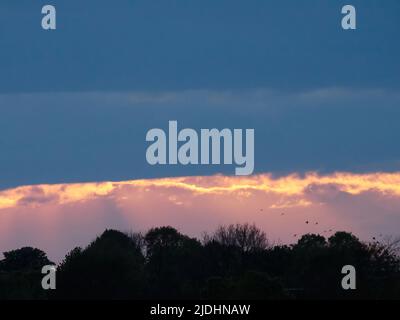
(76,104)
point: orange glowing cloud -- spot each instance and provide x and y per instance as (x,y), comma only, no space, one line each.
(288,186)
(58,217)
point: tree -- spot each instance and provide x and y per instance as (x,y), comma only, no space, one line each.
(20,274)
(163,238)
(311,241)
(246,237)
(174,264)
(342,240)
(24,259)
(236,262)
(111,267)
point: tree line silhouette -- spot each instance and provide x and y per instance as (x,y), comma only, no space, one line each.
(234,262)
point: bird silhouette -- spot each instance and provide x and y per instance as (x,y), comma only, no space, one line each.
(306,222)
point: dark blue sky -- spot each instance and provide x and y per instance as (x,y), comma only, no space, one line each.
(77,102)
(178,44)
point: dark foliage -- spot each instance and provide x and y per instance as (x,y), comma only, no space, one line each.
(236,262)
(20,274)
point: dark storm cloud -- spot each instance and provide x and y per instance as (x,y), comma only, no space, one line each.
(76,102)
(176,45)
(75,137)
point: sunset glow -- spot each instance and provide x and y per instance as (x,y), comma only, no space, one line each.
(60,216)
(288,186)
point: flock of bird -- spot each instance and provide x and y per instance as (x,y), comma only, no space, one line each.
(325,231)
